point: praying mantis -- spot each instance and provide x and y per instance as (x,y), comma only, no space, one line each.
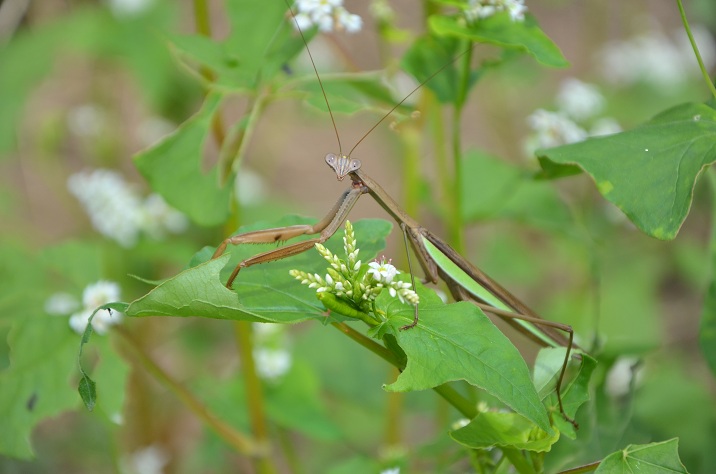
(438,260)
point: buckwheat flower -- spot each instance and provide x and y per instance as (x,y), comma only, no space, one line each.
(327,15)
(113,206)
(271,364)
(579,100)
(625,372)
(149,460)
(478,9)
(127,8)
(604,126)
(100,293)
(382,271)
(553,129)
(86,120)
(61,304)
(158,218)
(392,470)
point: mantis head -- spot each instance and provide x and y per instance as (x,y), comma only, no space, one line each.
(342,165)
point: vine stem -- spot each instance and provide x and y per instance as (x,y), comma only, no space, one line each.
(704,72)
(239,441)
(461,404)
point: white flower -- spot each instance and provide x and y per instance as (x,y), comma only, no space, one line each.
(61,304)
(327,15)
(113,206)
(382,272)
(655,58)
(117,210)
(271,364)
(100,323)
(158,218)
(392,470)
(126,8)
(620,376)
(477,9)
(605,126)
(579,100)
(86,120)
(553,129)
(462,422)
(100,293)
(148,460)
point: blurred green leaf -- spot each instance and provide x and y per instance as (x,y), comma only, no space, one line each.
(492,188)
(350,93)
(173,169)
(296,403)
(501,31)
(707,327)
(650,458)
(458,342)
(495,429)
(648,172)
(426,56)
(262,293)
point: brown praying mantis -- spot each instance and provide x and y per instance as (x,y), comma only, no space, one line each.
(439,261)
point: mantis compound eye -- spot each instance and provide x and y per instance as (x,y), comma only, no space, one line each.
(354,165)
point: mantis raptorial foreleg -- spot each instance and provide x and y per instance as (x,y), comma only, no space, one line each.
(326,227)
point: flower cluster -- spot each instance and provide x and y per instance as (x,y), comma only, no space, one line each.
(272,356)
(118,211)
(328,15)
(578,103)
(351,280)
(478,9)
(93,296)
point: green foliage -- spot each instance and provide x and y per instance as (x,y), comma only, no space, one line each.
(550,240)
(648,172)
(651,458)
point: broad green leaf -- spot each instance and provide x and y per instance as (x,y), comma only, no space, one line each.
(261,42)
(575,386)
(707,327)
(37,383)
(262,293)
(350,93)
(653,458)
(458,342)
(648,172)
(173,169)
(500,30)
(427,55)
(493,188)
(495,429)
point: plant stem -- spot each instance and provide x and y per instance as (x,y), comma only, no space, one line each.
(704,72)
(254,393)
(238,440)
(460,403)
(518,461)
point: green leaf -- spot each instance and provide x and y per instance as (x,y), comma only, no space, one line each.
(653,458)
(173,169)
(493,188)
(262,293)
(648,172)
(495,429)
(707,327)
(427,55)
(500,30)
(458,342)
(350,93)
(575,386)
(88,391)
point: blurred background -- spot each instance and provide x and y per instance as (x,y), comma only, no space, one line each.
(84,85)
